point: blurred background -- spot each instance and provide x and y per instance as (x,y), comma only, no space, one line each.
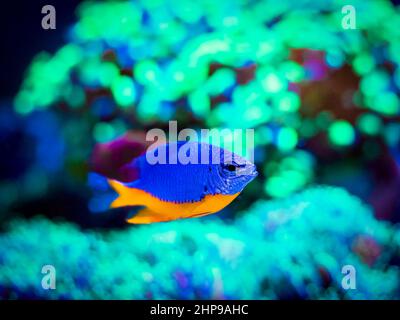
(323,101)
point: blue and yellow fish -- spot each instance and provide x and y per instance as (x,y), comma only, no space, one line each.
(170,191)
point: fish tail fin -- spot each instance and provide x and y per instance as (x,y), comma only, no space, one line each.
(103,195)
(125,197)
(109,194)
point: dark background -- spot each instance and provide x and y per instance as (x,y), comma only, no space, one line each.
(22,37)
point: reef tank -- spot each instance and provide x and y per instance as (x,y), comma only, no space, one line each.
(303,201)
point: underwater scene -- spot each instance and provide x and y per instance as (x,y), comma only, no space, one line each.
(112,186)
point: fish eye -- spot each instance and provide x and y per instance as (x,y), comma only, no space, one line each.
(231,167)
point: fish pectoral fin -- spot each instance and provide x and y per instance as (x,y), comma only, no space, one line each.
(146,216)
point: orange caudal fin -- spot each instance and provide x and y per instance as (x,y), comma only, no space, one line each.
(146,216)
(126,196)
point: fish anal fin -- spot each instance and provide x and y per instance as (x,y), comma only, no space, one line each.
(146,216)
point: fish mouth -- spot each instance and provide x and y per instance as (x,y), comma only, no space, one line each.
(250,172)
(254,173)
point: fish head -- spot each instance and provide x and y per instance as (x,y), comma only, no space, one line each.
(232,173)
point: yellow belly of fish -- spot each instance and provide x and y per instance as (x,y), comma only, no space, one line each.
(157,210)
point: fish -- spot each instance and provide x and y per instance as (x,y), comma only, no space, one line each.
(170,189)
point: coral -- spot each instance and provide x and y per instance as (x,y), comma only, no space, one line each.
(290,248)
